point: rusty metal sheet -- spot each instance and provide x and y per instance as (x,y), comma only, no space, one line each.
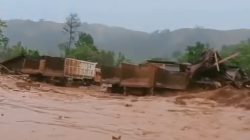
(78,69)
(53,67)
(31,66)
(171,79)
(14,64)
(110,72)
(110,75)
(137,75)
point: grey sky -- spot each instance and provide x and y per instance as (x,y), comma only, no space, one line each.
(143,15)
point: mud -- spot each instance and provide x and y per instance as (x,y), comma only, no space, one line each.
(226,96)
(47,112)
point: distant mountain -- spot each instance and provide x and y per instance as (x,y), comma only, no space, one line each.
(136,45)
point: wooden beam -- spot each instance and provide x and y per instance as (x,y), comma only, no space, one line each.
(228,58)
(216,61)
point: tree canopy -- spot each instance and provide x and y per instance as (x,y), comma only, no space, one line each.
(70,27)
(85,49)
(193,53)
(19,49)
(243,59)
(3,38)
(3,41)
(7,52)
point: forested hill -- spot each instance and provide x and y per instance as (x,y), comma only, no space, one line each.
(137,46)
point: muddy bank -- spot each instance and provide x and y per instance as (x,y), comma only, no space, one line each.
(226,96)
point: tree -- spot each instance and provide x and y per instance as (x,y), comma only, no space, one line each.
(2,37)
(83,53)
(85,39)
(243,59)
(19,49)
(194,53)
(106,58)
(70,27)
(7,52)
(32,53)
(3,40)
(86,50)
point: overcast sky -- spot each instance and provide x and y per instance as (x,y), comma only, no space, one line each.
(142,15)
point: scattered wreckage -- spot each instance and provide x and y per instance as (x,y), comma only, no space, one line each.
(210,72)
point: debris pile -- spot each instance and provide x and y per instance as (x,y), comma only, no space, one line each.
(210,72)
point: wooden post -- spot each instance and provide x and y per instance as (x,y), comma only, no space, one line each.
(216,61)
(228,58)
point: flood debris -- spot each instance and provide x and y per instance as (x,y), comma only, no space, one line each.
(211,71)
(56,70)
(128,105)
(12,65)
(116,137)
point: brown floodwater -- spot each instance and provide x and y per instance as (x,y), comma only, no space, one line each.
(59,113)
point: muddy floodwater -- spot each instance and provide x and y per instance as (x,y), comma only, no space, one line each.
(47,112)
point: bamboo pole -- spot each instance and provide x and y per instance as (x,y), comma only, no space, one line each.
(227,58)
(216,61)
